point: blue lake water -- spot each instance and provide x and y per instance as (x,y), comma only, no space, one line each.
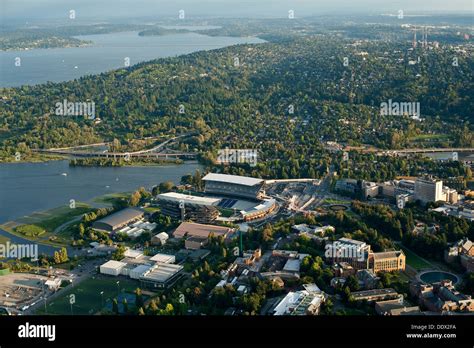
(108,52)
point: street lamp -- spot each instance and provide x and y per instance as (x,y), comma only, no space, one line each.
(102,299)
(118,289)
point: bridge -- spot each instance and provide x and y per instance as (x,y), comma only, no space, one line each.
(407,151)
(154,152)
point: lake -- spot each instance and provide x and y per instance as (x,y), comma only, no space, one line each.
(108,52)
(29,187)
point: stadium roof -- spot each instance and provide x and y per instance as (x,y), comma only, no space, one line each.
(176,197)
(233,179)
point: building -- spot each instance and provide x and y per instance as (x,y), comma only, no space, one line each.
(190,229)
(347,186)
(161,275)
(428,190)
(304,302)
(463,251)
(396,307)
(53,284)
(133,254)
(163,258)
(234,185)
(160,238)
(320,231)
(187,207)
(369,189)
(441,297)
(139,271)
(376,295)
(195,243)
(112,267)
(351,251)
(450,195)
(343,269)
(359,256)
(387,261)
(259,211)
(118,220)
(367,279)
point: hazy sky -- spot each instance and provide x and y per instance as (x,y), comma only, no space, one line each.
(109,9)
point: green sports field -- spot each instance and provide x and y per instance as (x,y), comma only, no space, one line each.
(88,299)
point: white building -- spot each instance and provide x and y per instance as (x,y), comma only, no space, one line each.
(304,302)
(133,254)
(53,284)
(139,271)
(160,238)
(112,267)
(428,190)
(163,258)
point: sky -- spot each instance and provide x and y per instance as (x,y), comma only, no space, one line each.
(116,9)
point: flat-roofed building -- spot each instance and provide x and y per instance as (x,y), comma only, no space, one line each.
(161,275)
(354,252)
(139,271)
(428,190)
(195,243)
(188,207)
(118,220)
(234,185)
(163,258)
(133,254)
(376,295)
(112,267)
(304,302)
(191,229)
(396,307)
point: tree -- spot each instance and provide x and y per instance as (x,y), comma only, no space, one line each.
(166,186)
(115,307)
(125,305)
(135,199)
(153,306)
(352,283)
(63,255)
(138,297)
(57,258)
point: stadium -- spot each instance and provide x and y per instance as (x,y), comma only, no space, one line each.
(234,186)
(239,198)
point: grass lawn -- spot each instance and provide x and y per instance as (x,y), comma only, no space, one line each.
(3,240)
(335,201)
(151,210)
(87,295)
(414,260)
(40,226)
(112,197)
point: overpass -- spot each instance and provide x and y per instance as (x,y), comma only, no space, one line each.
(154,152)
(407,151)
